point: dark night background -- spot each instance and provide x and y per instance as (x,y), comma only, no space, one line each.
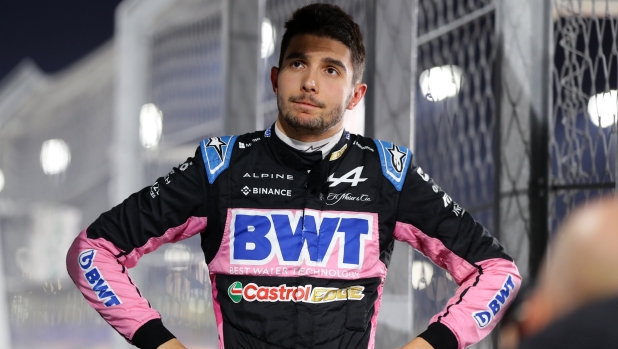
(53,33)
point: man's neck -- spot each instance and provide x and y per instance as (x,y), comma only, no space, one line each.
(325,145)
(307,137)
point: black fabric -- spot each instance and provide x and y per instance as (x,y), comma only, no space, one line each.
(151,335)
(594,326)
(150,212)
(440,337)
(437,215)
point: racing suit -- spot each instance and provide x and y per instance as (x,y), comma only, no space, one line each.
(297,246)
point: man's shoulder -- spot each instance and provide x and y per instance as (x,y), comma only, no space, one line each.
(217,151)
(395,160)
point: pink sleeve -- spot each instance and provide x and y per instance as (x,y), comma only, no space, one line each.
(104,280)
(486,287)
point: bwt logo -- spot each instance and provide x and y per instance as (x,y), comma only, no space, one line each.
(97,283)
(256,237)
(484,317)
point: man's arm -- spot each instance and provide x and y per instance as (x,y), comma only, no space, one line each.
(438,227)
(170,210)
(172,344)
(418,343)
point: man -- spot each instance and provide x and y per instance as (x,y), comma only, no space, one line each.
(298,221)
(576,301)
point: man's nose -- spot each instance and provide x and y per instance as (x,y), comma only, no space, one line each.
(310,83)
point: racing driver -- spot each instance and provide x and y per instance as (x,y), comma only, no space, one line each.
(298,221)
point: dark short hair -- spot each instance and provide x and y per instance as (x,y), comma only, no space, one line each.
(330,21)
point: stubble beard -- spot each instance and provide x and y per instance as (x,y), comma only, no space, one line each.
(315,125)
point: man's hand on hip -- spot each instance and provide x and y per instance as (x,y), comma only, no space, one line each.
(173,344)
(418,343)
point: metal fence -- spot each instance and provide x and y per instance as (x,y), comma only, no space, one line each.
(454,123)
(582,126)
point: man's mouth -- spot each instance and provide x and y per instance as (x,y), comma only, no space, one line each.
(306,101)
(305,104)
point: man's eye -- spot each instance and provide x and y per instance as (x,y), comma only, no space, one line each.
(297,64)
(332,71)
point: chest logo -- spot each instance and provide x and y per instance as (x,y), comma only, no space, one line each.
(353,177)
(284,293)
(293,238)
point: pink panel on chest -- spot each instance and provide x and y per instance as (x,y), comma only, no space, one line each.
(292,243)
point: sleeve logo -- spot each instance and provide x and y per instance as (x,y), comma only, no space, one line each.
(485,317)
(95,279)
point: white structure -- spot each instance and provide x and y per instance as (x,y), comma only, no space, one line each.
(55,133)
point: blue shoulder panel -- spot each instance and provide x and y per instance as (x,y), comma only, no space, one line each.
(395,161)
(217,152)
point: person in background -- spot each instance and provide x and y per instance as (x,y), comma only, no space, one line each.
(575,304)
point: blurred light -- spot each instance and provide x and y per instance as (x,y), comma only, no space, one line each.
(448,276)
(439,83)
(269,36)
(150,125)
(55,156)
(1,180)
(178,256)
(602,108)
(422,273)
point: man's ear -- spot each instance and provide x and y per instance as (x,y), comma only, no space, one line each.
(359,92)
(274,72)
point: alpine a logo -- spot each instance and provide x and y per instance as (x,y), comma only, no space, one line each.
(485,317)
(95,279)
(355,174)
(284,293)
(293,238)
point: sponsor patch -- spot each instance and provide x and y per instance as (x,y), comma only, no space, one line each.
(266,191)
(423,175)
(95,279)
(334,198)
(395,162)
(362,146)
(293,238)
(269,176)
(284,293)
(217,152)
(353,177)
(337,154)
(485,317)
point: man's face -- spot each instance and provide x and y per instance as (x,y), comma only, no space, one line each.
(314,85)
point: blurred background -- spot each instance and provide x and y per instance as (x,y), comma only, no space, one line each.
(510,105)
